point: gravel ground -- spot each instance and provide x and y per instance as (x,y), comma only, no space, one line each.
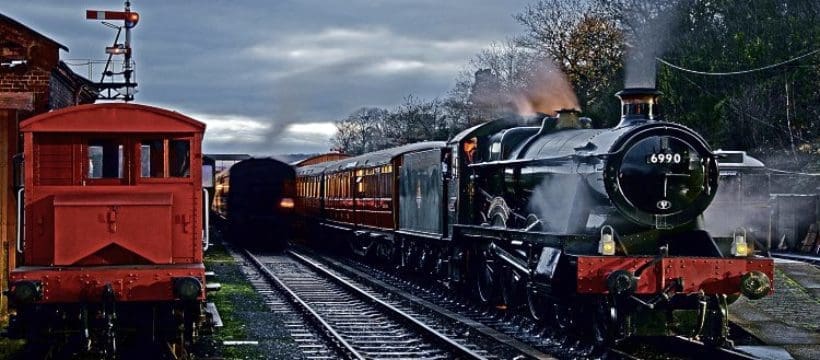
(789,318)
(245,315)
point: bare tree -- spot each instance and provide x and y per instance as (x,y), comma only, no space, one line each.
(585,42)
(417,120)
(361,132)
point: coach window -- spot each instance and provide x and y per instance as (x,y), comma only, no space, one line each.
(360,182)
(387,179)
(105,159)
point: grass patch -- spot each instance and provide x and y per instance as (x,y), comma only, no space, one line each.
(10,348)
(236,297)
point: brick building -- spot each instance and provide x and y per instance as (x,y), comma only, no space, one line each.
(33,80)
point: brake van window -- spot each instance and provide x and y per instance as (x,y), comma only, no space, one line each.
(105,159)
(179,158)
(156,162)
(152,158)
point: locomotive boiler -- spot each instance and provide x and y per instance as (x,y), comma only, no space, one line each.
(592,228)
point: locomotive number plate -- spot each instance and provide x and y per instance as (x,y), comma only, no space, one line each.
(664,158)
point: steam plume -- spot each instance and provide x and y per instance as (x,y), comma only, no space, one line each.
(546,91)
(651,35)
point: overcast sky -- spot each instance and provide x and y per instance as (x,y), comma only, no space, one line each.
(270,76)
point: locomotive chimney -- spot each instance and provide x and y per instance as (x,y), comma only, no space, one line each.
(638,105)
(568,119)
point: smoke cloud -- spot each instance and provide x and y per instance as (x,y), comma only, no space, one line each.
(651,35)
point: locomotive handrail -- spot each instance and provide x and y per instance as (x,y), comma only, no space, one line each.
(206,241)
(20,220)
(554,160)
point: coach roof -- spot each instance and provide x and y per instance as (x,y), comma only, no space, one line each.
(381,157)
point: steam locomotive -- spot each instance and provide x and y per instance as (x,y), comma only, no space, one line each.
(597,229)
(111,232)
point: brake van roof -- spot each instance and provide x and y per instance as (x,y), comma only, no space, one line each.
(112,118)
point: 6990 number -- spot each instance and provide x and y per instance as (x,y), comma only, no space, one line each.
(662,158)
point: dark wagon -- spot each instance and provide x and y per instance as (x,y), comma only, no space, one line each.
(254,201)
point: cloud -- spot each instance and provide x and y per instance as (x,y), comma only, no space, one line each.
(365,51)
(321,128)
(260,71)
(260,136)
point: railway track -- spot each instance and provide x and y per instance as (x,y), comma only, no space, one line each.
(347,320)
(534,340)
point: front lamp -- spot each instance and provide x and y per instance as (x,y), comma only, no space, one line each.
(739,245)
(286,203)
(606,244)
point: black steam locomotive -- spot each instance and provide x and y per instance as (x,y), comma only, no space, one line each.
(581,225)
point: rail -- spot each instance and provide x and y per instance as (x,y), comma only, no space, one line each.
(449,345)
(475,326)
(336,337)
(531,347)
(461,350)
